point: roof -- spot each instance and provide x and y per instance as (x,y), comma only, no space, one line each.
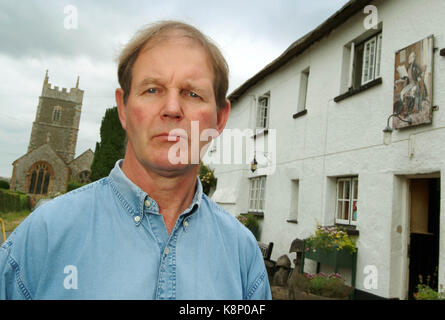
(299,46)
(46,145)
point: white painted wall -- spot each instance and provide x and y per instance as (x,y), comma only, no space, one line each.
(346,138)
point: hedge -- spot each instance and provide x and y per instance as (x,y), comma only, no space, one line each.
(14,201)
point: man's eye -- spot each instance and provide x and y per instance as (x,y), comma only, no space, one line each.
(152,90)
(193,95)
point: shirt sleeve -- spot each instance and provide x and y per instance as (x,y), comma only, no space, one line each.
(11,284)
(261,289)
(258,281)
(22,258)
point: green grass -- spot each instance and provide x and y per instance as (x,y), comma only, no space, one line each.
(13,219)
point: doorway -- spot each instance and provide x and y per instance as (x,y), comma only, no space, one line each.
(423,246)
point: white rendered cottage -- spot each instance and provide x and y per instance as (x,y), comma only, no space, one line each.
(317,114)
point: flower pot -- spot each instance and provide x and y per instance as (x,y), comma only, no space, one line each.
(334,257)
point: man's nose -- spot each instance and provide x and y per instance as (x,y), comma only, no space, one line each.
(172,107)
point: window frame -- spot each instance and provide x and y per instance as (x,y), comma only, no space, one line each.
(257,194)
(304,86)
(40,178)
(263,112)
(376,55)
(57,113)
(352,200)
(294,201)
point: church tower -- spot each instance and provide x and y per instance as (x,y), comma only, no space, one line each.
(49,163)
(57,120)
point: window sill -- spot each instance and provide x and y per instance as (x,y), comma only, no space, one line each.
(299,114)
(256,214)
(260,132)
(292,221)
(353,92)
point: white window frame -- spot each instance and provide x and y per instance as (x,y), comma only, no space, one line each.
(262,119)
(295,195)
(372,53)
(304,82)
(257,192)
(350,199)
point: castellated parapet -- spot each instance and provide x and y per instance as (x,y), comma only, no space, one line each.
(74,94)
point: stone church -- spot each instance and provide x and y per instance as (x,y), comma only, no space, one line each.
(49,163)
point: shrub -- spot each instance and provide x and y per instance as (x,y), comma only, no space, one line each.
(330,286)
(4,184)
(72,185)
(13,201)
(251,222)
(425,292)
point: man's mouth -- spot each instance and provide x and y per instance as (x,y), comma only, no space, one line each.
(171,136)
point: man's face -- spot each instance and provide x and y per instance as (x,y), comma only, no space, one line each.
(172,85)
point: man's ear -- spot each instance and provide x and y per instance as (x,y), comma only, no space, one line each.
(222,116)
(121,107)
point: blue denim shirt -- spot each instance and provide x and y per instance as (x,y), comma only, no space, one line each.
(107,240)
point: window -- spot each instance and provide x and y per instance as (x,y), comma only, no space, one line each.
(347,200)
(293,214)
(304,78)
(262,120)
(57,113)
(365,60)
(371,59)
(256,194)
(40,178)
(84,177)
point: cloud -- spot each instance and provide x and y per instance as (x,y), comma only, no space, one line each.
(250,33)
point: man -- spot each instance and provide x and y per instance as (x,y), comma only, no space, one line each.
(146,231)
(414,91)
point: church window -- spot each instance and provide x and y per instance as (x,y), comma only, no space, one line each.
(57,113)
(84,177)
(40,178)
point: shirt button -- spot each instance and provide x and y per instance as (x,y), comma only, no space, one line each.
(137,218)
(147,203)
(166,250)
(186,223)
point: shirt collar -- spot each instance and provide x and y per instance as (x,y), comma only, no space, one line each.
(134,198)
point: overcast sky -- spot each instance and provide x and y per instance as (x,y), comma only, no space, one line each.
(33,38)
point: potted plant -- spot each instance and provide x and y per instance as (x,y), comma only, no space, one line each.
(318,286)
(331,245)
(425,291)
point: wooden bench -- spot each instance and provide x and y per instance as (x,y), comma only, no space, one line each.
(266,250)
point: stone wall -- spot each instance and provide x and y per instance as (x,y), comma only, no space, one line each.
(20,180)
(81,163)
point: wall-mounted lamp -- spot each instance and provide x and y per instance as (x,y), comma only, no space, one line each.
(388,128)
(253,165)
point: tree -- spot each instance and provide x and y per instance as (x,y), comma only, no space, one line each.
(111,146)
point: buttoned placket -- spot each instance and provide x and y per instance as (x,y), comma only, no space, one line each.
(166,285)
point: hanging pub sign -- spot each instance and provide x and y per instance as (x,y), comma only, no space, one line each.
(413,84)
